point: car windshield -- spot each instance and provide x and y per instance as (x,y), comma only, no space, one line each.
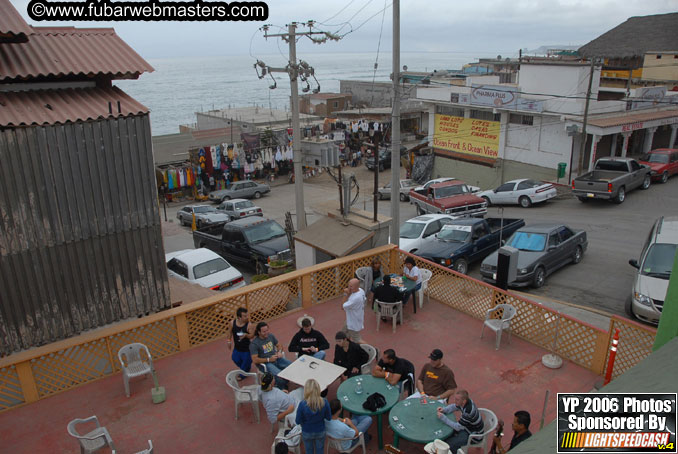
(205,209)
(656,157)
(245,204)
(411,230)
(455,233)
(449,191)
(264,232)
(408,183)
(531,183)
(210,267)
(528,241)
(659,261)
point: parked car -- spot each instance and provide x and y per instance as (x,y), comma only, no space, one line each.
(417,231)
(521,192)
(239,190)
(654,271)
(611,180)
(424,187)
(205,268)
(239,208)
(663,163)
(543,249)
(464,241)
(451,197)
(252,241)
(204,215)
(384,161)
(405,187)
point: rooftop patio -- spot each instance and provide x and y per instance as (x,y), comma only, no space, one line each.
(199,414)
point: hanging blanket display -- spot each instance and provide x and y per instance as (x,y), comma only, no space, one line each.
(177,180)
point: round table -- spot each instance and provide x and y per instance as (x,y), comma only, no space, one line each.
(418,421)
(354,402)
(408,286)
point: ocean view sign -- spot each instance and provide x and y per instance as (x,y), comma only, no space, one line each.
(494,96)
(479,138)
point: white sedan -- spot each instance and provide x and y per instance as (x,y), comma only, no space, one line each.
(521,192)
(417,231)
(205,268)
(422,189)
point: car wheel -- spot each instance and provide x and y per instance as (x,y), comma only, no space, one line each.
(646,182)
(260,268)
(628,307)
(381,167)
(461,266)
(257,195)
(578,254)
(226,197)
(665,177)
(621,195)
(487,199)
(525,201)
(583,199)
(403,198)
(539,277)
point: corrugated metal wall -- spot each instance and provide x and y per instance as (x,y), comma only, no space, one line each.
(80,239)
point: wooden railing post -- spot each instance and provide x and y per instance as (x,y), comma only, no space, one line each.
(27,382)
(306,292)
(182,332)
(393,261)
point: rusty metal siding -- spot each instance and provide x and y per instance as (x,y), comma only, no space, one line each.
(80,238)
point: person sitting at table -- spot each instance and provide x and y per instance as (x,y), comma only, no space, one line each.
(309,341)
(348,354)
(278,403)
(435,379)
(386,293)
(411,271)
(469,422)
(267,353)
(395,370)
(347,428)
(281,448)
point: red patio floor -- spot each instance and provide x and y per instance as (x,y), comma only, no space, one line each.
(198,415)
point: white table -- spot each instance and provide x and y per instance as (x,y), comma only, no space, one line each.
(306,367)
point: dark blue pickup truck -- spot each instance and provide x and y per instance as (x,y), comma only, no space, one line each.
(468,240)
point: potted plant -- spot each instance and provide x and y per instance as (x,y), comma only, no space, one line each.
(277,267)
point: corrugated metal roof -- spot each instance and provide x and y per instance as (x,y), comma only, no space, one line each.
(65,51)
(13,28)
(40,107)
(632,118)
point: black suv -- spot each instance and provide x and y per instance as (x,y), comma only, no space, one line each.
(384,159)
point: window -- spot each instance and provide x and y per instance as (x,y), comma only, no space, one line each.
(251,185)
(659,56)
(237,237)
(433,227)
(335,104)
(634,166)
(518,119)
(529,184)
(485,115)
(186,209)
(565,234)
(210,267)
(674,157)
(505,187)
(229,207)
(554,239)
(480,231)
(447,110)
(178,267)
(410,230)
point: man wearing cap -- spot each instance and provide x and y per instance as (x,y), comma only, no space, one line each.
(470,420)
(348,354)
(309,341)
(436,379)
(278,403)
(355,310)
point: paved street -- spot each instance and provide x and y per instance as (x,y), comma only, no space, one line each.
(603,279)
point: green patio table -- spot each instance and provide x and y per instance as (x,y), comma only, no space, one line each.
(354,402)
(418,421)
(407,286)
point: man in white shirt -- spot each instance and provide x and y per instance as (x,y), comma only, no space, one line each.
(355,310)
(411,271)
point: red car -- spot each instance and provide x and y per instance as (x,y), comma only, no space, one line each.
(663,162)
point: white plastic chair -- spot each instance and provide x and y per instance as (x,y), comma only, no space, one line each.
(371,357)
(91,441)
(499,324)
(335,443)
(132,364)
(362,274)
(392,310)
(244,394)
(293,441)
(148,450)
(425,277)
(480,440)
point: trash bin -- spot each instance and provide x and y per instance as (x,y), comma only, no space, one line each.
(561,169)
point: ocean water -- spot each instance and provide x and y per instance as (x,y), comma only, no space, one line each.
(179,87)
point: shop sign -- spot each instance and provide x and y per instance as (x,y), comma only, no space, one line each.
(530,105)
(647,97)
(467,136)
(494,96)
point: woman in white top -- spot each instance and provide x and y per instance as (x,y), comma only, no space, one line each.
(411,271)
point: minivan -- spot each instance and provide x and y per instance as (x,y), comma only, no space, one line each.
(654,270)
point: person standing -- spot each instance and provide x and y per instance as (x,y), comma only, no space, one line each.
(241,334)
(267,353)
(470,421)
(312,413)
(355,310)
(348,354)
(309,341)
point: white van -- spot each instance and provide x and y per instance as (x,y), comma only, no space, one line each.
(654,270)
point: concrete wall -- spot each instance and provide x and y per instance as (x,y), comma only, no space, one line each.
(664,68)
(304,255)
(543,144)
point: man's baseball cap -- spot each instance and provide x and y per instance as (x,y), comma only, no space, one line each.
(266,380)
(436,354)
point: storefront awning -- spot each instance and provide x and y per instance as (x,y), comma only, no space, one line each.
(604,125)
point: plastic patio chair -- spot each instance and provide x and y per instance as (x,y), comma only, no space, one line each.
(244,394)
(425,277)
(480,440)
(361,273)
(132,364)
(293,441)
(372,355)
(392,310)
(335,443)
(91,441)
(499,324)
(148,450)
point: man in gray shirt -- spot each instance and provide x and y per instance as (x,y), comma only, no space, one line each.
(277,403)
(267,353)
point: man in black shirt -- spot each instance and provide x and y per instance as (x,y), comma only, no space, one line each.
(348,354)
(521,431)
(386,293)
(395,370)
(309,341)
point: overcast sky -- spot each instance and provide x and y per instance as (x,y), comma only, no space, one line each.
(489,26)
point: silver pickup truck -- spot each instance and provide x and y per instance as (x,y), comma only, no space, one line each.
(611,179)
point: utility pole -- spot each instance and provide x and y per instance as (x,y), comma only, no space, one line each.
(395,124)
(582,150)
(296,71)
